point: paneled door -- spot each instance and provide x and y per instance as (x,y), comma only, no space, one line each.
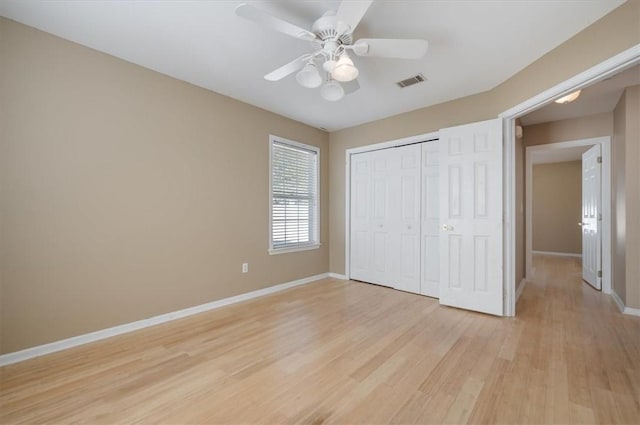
(405,217)
(385,217)
(471,217)
(370,217)
(591,217)
(430,217)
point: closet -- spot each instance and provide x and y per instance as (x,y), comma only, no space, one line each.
(427,217)
(394,217)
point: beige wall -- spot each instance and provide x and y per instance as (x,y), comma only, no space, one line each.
(618,183)
(626,197)
(127,194)
(612,34)
(632,158)
(556,207)
(586,127)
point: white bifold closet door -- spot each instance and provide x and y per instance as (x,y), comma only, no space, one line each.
(430,228)
(385,217)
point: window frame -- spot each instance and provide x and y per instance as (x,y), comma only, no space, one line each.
(315,243)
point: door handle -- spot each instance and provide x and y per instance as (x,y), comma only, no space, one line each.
(447,227)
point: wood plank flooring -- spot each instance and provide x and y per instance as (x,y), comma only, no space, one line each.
(348,352)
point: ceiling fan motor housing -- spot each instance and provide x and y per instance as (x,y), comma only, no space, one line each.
(326,29)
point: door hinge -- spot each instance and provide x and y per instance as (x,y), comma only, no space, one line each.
(599,160)
(599,273)
(599,217)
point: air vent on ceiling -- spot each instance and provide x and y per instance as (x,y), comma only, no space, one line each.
(411,81)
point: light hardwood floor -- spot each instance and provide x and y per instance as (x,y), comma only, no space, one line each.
(348,352)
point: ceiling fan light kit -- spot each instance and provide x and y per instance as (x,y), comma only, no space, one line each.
(344,69)
(332,91)
(329,64)
(331,37)
(309,76)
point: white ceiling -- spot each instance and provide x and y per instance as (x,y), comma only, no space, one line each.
(598,98)
(474,46)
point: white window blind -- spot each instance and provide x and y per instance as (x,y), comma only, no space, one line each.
(294,196)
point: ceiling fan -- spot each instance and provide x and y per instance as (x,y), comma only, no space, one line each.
(331,37)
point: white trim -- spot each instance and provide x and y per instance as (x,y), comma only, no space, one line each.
(601,71)
(425,137)
(316,237)
(276,251)
(605,193)
(558,254)
(624,309)
(509,222)
(618,301)
(520,289)
(347,215)
(75,341)
(337,276)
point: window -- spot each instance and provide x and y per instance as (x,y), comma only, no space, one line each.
(294,209)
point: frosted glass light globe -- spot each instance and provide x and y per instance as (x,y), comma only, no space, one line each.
(332,91)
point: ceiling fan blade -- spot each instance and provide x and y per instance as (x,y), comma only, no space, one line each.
(266,19)
(287,69)
(391,48)
(350,13)
(350,86)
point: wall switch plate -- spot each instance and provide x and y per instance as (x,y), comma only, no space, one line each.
(245,267)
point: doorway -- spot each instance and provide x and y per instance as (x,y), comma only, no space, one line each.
(559,153)
(601,72)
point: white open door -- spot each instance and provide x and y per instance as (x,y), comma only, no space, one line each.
(471,274)
(591,217)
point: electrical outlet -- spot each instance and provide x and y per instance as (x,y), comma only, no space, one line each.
(245,267)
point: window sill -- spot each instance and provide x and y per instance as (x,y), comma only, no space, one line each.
(276,251)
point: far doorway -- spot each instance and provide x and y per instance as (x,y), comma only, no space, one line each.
(565,214)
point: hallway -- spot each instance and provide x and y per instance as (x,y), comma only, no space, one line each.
(579,356)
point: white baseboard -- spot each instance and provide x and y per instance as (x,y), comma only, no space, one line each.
(618,301)
(523,282)
(632,311)
(337,276)
(52,347)
(624,309)
(560,254)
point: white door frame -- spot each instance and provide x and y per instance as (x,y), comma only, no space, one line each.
(599,72)
(605,196)
(426,137)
